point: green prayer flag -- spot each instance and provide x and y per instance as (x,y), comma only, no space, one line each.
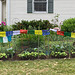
(1,39)
(31,32)
(67,34)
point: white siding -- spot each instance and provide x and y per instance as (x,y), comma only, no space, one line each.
(0,11)
(66,9)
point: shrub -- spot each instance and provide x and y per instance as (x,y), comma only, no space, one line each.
(34,24)
(68,25)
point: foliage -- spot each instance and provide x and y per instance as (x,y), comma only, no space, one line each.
(2,25)
(3,55)
(68,25)
(59,54)
(34,24)
(55,20)
(31,55)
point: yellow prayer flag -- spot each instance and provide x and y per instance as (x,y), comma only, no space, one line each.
(38,32)
(73,35)
(3,34)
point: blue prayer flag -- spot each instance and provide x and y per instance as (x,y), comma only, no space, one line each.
(9,38)
(9,33)
(46,32)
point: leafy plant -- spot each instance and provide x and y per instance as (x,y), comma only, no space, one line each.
(3,55)
(68,25)
(58,54)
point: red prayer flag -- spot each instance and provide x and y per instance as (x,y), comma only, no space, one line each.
(23,31)
(60,33)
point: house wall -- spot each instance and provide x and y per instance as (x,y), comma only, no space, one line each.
(4,11)
(66,9)
(0,11)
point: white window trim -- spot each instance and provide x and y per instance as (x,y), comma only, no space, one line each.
(39,11)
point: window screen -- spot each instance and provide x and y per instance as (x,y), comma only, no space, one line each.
(40,5)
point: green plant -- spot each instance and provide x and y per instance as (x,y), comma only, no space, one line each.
(68,25)
(58,54)
(3,55)
(34,24)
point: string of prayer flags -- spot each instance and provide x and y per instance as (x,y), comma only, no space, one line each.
(67,34)
(9,33)
(3,34)
(16,32)
(31,32)
(23,31)
(38,32)
(73,35)
(53,30)
(60,33)
(45,32)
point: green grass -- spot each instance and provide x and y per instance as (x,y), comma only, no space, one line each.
(38,67)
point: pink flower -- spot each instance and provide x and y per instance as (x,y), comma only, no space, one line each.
(3,23)
(0,23)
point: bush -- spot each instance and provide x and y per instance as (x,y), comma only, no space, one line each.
(68,25)
(32,55)
(34,24)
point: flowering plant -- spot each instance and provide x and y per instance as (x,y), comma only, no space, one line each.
(2,24)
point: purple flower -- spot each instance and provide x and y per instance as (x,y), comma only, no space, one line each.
(3,23)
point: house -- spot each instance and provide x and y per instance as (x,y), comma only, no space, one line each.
(16,10)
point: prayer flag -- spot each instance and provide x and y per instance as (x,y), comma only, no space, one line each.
(45,32)
(5,40)
(16,32)
(67,34)
(38,32)
(53,30)
(60,33)
(31,32)
(1,39)
(9,33)
(3,34)
(73,35)
(23,31)
(9,38)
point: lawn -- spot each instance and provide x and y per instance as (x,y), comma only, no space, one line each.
(38,67)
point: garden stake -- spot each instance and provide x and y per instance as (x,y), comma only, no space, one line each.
(48,45)
(38,46)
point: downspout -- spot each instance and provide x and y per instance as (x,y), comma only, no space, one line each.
(1,11)
(8,12)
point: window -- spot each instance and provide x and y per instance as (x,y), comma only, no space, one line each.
(40,6)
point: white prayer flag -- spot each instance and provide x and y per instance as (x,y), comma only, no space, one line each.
(16,32)
(5,40)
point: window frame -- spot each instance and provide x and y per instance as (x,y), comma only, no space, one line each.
(39,11)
